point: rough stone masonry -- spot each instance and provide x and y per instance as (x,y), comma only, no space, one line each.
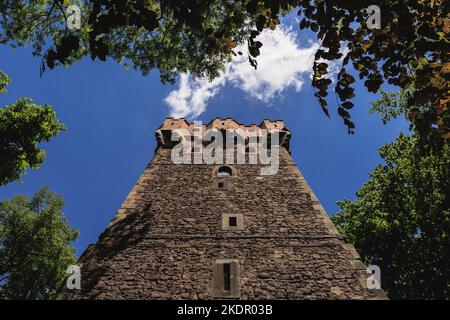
(190,232)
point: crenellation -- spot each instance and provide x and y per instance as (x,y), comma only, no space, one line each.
(170,125)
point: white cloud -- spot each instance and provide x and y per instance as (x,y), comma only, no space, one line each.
(190,99)
(281,65)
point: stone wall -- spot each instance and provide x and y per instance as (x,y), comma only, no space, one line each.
(165,238)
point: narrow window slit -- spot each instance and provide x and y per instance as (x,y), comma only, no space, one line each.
(226,276)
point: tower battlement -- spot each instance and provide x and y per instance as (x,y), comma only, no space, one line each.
(164,132)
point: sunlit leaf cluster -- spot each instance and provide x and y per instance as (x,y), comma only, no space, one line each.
(35,246)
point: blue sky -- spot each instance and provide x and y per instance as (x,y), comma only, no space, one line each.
(111,115)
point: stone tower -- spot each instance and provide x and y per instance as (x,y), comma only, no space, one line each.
(206,231)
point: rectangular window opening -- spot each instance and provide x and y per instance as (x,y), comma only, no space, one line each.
(232,222)
(226,276)
(220,185)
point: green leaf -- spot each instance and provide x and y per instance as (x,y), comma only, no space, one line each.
(35,249)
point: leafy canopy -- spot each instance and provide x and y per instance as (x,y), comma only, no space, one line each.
(400,220)
(406,50)
(23,125)
(199,36)
(172,36)
(4,81)
(35,246)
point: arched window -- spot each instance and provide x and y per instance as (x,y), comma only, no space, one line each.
(225,172)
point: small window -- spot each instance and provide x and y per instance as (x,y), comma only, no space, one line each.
(225,172)
(232,221)
(220,184)
(226,277)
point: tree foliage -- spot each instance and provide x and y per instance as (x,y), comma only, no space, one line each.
(400,220)
(391,104)
(23,125)
(199,36)
(172,36)
(406,50)
(4,81)
(35,246)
